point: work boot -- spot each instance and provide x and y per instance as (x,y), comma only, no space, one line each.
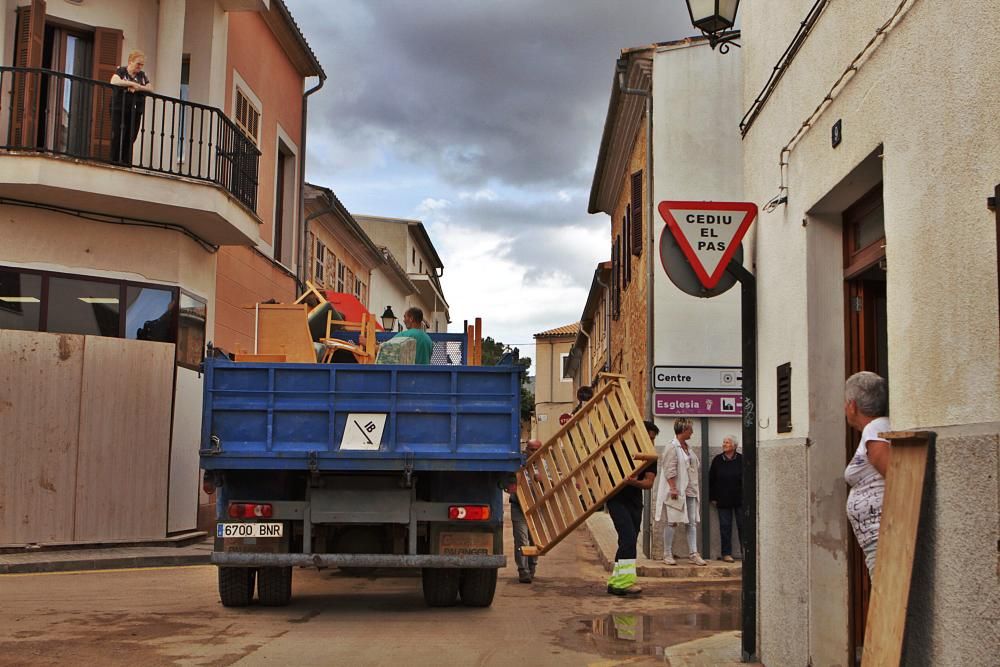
(634,589)
(696,559)
(524,577)
(727,559)
(669,559)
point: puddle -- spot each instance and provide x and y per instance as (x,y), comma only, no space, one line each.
(651,633)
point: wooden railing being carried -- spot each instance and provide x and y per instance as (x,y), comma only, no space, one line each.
(586,462)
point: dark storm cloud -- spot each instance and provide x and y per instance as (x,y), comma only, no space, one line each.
(509,91)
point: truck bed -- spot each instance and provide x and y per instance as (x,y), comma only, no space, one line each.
(344,417)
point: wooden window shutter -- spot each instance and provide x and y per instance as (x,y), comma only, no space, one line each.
(636,209)
(785,398)
(107,59)
(626,239)
(30,39)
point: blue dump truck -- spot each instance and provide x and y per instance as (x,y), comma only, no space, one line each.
(361,467)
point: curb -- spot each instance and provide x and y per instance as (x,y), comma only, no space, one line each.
(111,563)
(605,539)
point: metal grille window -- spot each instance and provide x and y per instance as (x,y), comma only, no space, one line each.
(785,398)
(247,117)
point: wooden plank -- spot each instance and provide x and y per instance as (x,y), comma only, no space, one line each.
(284,329)
(479,341)
(125,409)
(40,378)
(600,447)
(897,540)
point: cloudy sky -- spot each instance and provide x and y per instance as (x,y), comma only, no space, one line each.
(482,118)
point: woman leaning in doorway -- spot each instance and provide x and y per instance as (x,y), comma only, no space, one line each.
(867,408)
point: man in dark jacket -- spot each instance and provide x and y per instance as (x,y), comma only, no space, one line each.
(725,490)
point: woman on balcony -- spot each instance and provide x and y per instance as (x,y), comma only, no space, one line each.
(127,106)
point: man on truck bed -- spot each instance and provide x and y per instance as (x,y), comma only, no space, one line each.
(413,318)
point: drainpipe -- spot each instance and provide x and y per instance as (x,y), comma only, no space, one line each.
(301,277)
(622,67)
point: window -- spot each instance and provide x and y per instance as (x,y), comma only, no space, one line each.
(61,303)
(616,278)
(348,281)
(191,331)
(341,271)
(421,265)
(319,263)
(20,300)
(626,241)
(247,116)
(185,95)
(88,307)
(357,288)
(284,205)
(635,214)
(149,314)
(565,375)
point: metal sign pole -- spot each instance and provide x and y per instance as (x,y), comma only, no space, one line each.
(748,292)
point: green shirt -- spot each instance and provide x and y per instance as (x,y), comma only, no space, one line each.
(424,344)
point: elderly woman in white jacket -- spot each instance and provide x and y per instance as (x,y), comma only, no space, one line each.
(677,490)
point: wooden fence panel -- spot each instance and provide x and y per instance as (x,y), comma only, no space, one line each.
(124,439)
(40,377)
(582,465)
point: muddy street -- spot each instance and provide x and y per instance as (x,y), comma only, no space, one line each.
(172,616)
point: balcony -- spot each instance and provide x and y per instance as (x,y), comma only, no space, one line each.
(67,141)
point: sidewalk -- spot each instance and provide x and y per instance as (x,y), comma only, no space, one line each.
(187,549)
(606,539)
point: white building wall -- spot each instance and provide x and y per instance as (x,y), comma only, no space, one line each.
(385,291)
(696,156)
(921,115)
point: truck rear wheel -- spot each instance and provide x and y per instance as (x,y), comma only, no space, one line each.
(477,586)
(440,586)
(274,586)
(236,586)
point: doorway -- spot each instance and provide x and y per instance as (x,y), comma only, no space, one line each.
(66,101)
(867,347)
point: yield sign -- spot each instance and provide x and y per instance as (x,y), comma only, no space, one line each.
(708,232)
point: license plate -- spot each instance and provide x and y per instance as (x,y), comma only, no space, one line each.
(248,529)
(466,544)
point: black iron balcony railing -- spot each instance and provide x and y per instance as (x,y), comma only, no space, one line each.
(61,114)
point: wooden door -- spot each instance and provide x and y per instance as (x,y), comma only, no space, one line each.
(866,338)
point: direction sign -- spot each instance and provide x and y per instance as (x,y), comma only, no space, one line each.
(708,233)
(697,404)
(706,378)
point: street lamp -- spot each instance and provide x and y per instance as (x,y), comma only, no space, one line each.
(388,319)
(714,18)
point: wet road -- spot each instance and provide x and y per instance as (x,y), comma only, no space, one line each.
(172,616)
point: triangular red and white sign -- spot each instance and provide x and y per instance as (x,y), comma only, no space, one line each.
(708,233)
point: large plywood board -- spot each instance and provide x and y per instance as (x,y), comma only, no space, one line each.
(586,462)
(897,542)
(40,376)
(124,451)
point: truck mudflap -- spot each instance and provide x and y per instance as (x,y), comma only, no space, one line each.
(230,559)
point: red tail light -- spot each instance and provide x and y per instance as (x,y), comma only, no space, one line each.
(250,510)
(469,512)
